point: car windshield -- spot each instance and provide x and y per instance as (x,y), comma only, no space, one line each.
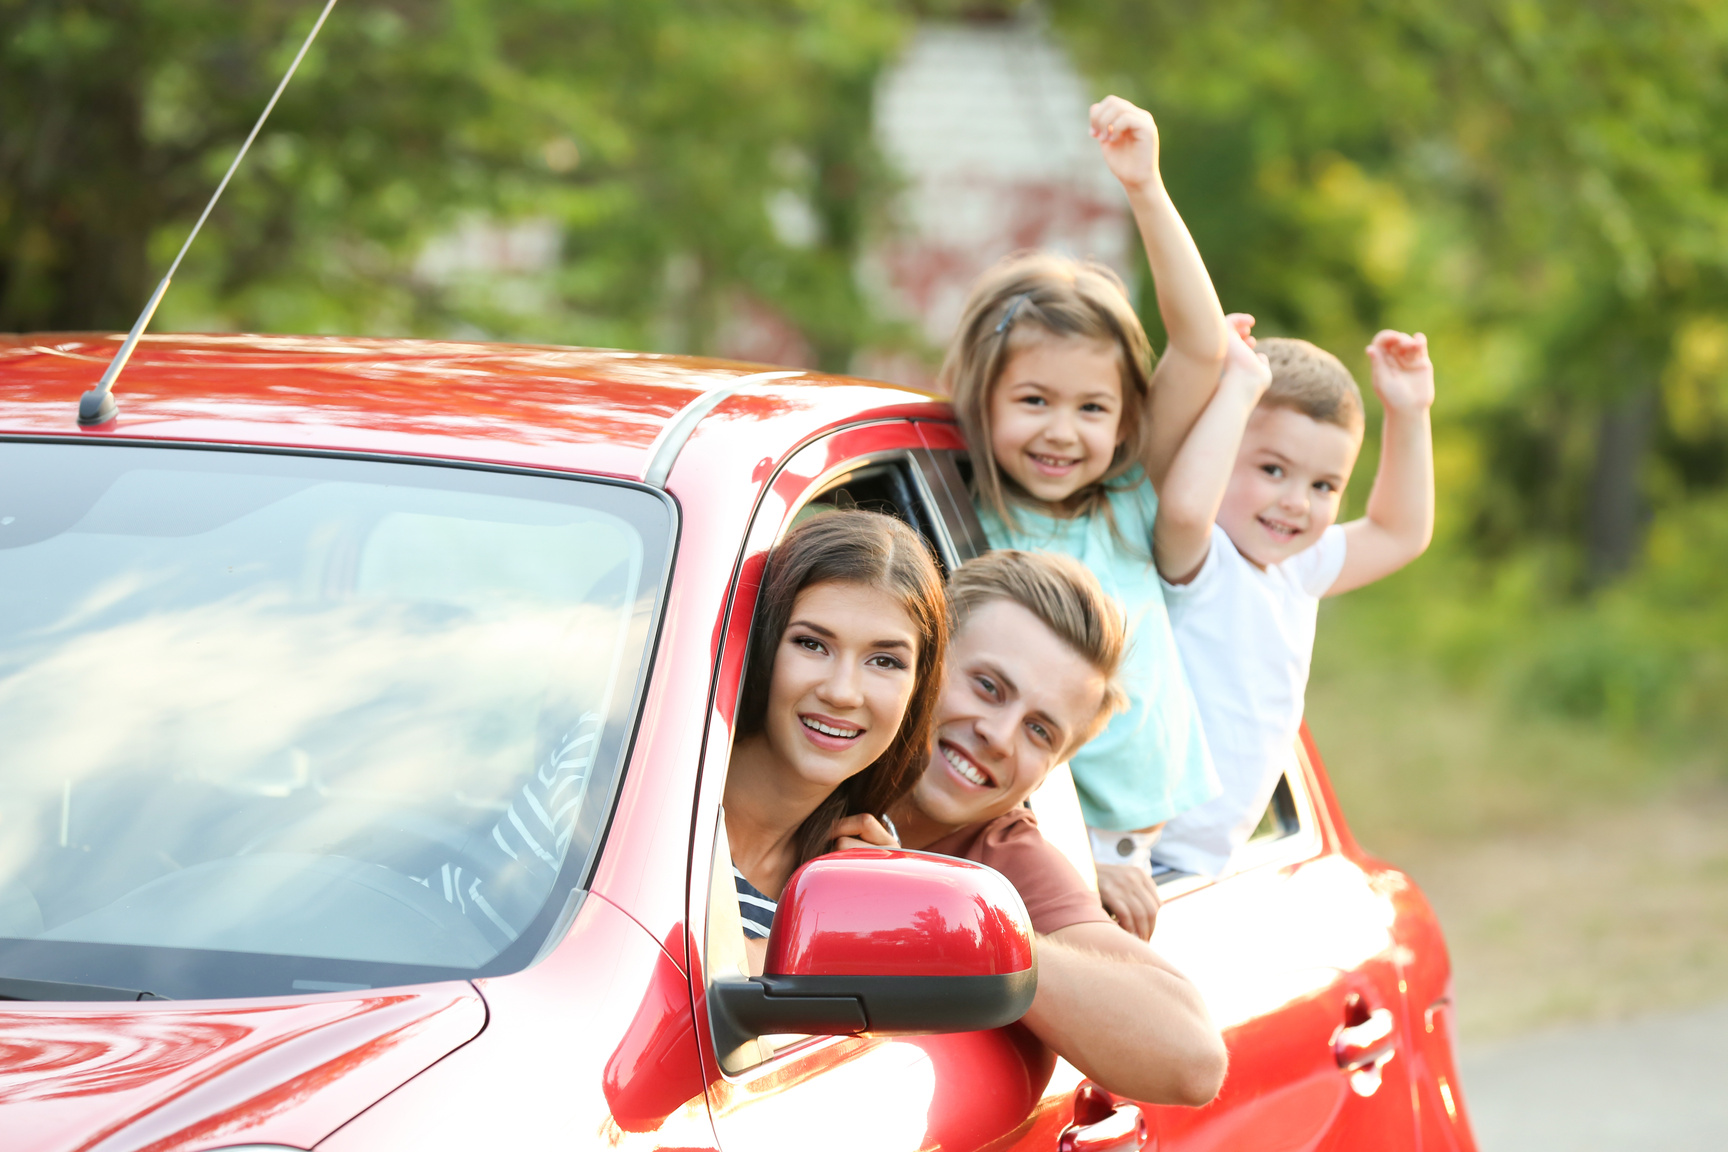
(274,723)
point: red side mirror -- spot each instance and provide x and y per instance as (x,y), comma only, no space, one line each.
(887,941)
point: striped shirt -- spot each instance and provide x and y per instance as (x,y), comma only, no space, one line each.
(757,909)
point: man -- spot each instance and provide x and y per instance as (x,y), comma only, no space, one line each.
(1030,678)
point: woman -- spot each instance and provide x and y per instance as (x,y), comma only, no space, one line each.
(839,699)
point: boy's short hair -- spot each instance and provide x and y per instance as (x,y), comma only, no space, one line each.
(1311,381)
(1063,594)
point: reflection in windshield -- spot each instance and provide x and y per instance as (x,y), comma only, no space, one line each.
(304,707)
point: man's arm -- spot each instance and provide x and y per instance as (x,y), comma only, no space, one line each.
(1187,372)
(1194,486)
(1125,1017)
(1400,519)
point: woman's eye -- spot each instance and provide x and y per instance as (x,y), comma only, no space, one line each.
(883,660)
(809,644)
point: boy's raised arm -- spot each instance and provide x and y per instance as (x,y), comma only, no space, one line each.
(1187,371)
(1194,486)
(1400,519)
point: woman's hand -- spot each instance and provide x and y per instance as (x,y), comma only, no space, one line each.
(1129,894)
(861,830)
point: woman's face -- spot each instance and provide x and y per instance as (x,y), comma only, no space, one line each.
(843,675)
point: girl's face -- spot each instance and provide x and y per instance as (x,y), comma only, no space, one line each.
(843,675)
(1056,415)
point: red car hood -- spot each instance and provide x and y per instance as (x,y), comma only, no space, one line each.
(164,1076)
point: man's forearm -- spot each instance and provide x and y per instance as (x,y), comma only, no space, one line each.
(1129,1022)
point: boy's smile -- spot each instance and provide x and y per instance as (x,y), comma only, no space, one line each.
(1285,489)
(1056,415)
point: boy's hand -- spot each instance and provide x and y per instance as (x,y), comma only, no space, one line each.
(1243,325)
(1403,374)
(1129,140)
(1244,368)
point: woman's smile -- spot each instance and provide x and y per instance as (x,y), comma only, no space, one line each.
(827,732)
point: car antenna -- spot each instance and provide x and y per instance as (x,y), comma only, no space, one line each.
(97,406)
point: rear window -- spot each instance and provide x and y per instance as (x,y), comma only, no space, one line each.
(276,723)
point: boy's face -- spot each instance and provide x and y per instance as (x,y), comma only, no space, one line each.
(1056,415)
(1289,477)
(1014,696)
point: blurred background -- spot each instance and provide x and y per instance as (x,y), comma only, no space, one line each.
(1531,719)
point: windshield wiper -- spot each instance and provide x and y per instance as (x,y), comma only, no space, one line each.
(12,988)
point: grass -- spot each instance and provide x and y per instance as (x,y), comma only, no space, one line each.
(1581,871)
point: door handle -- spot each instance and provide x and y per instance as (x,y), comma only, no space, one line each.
(1124,1130)
(1364,1043)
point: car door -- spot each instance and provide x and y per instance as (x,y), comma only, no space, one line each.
(1296,951)
(963,1091)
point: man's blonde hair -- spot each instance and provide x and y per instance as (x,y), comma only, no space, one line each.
(1062,593)
(1312,381)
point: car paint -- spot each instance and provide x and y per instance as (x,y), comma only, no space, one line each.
(605,1041)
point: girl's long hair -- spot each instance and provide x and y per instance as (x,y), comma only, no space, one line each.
(1033,296)
(876,551)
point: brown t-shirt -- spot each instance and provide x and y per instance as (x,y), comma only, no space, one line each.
(1051,889)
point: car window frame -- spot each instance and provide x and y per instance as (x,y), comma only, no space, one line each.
(928,479)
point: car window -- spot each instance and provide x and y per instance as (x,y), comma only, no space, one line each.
(284,723)
(891,486)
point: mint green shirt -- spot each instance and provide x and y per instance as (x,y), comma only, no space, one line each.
(1151,762)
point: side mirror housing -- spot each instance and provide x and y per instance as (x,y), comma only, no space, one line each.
(888,942)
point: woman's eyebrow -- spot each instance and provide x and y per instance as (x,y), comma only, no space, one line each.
(891,644)
(812,626)
(828,634)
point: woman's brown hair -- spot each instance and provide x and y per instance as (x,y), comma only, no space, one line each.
(1032,296)
(877,551)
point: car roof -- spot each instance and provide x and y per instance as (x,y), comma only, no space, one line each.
(540,406)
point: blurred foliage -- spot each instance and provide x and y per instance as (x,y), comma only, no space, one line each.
(1540,185)
(654,134)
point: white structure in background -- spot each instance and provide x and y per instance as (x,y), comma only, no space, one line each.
(986,124)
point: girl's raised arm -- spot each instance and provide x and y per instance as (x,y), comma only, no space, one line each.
(1187,372)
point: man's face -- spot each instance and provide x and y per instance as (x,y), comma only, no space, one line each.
(1014,698)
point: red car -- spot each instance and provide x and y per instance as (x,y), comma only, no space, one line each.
(365,710)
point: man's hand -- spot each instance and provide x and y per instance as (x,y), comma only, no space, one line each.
(861,830)
(1128,893)
(1129,140)
(1403,374)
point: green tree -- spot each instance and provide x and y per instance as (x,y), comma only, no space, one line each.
(653,132)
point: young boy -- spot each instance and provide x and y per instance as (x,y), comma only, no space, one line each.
(1243,605)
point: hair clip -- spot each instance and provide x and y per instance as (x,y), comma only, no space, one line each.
(1008,316)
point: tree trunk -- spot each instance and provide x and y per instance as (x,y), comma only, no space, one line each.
(1616,513)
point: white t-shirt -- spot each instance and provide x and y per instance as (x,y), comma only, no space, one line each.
(1246,637)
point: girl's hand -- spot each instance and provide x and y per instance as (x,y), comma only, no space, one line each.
(861,830)
(1403,374)
(1129,139)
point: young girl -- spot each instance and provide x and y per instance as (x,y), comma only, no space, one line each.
(839,700)
(1071,437)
